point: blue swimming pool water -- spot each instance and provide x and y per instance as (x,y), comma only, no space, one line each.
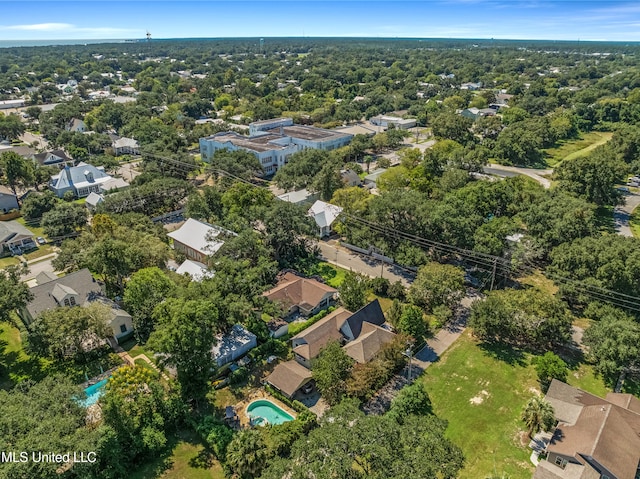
(94,392)
(268,411)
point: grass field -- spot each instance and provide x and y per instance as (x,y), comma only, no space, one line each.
(333,275)
(481,390)
(186,458)
(15,364)
(634,222)
(571,149)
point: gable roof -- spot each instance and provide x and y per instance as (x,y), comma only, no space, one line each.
(194,234)
(80,282)
(10,229)
(595,430)
(369,343)
(294,290)
(195,269)
(318,335)
(45,277)
(79,176)
(288,377)
(125,142)
(323,213)
(371,313)
(52,157)
(94,199)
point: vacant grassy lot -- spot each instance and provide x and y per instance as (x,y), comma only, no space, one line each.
(333,275)
(634,222)
(570,149)
(481,390)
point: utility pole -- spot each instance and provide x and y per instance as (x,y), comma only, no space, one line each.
(493,273)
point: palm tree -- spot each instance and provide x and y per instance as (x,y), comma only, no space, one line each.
(538,414)
(247,454)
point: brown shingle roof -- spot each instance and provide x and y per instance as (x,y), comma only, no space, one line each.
(317,336)
(288,377)
(601,431)
(369,343)
(293,290)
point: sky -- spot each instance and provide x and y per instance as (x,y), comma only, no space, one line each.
(595,20)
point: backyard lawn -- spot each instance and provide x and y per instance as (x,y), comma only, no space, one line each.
(481,390)
(571,149)
(15,364)
(333,275)
(186,458)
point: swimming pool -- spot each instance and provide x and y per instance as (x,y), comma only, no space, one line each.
(94,392)
(267,412)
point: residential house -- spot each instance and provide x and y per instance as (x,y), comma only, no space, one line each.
(93,200)
(299,197)
(361,334)
(196,270)
(476,113)
(299,295)
(125,146)
(75,289)
(53,158)
(471,86)
(15,238)
(595,437)
(324,214)
(350,178)
(198,240)
(76,126)
(80,180)
(233,345)
(274,141)
(277,327)
(371,180)
(8,201)
(387,121)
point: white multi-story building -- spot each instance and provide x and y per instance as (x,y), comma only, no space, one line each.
(274,141)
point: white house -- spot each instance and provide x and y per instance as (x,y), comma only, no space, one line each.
(81,180)
(76,125)
(197,240)
(125,146)
(385,121)
(195,269)
(15,237)
(233,345)
(324,214)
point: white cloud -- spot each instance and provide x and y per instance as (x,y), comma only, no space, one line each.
(49,27)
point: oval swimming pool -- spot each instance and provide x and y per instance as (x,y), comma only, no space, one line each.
(267,411)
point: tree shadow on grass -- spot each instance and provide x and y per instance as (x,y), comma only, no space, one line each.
(505,353)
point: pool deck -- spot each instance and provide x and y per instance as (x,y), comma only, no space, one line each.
(241,407)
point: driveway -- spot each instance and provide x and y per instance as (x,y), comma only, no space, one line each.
(36,268)
(31,138)
(622,214)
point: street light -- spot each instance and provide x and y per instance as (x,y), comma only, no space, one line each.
(409,353)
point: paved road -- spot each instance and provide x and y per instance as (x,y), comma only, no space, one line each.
(510,171)
(622,214)
(340,256)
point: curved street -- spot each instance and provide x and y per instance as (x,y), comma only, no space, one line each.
(622,214)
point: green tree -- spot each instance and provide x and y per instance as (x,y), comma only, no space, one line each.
(247,454)
(67,331)
(412,323)
(16,170)
(411,400)
(613,341)
(14,294)
(353,291)
(538,414)
(437,284)
(286,229)
(330,370)
(301,169)
(145,289)
(525,318)
(65,219)
(37,204)
(240,163)
(185,332)
(11,127)
(592,177)
(548,367)
(46,416)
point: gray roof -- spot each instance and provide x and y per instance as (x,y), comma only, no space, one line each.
(81,282)
(45,277)
(52,157)
(94,199)
(10,229)
(76,175)
(371,313)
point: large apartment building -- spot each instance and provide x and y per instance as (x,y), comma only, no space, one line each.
(274,141)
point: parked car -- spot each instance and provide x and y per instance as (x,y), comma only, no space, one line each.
(41,240)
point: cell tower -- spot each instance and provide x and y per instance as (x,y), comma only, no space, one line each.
(148,36)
